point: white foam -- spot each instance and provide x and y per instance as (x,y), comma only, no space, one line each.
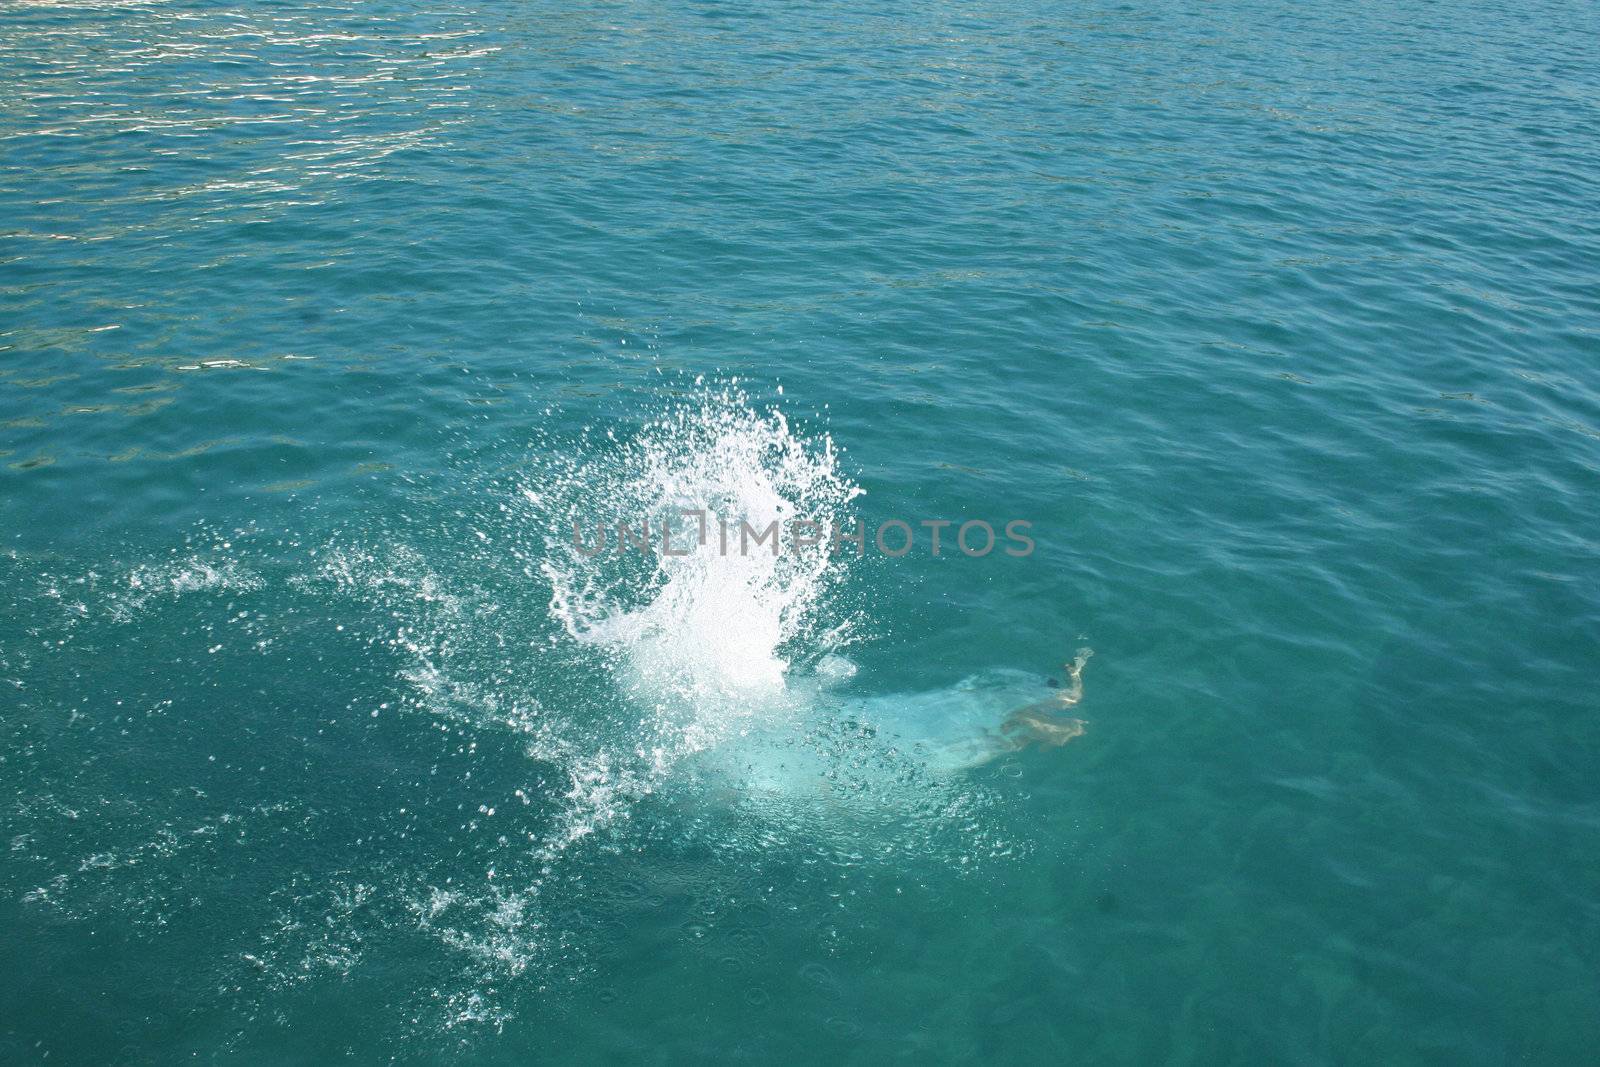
(710,637)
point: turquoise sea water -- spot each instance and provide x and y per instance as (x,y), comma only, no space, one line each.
(1278,322)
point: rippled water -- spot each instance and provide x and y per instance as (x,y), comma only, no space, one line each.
(1278,322)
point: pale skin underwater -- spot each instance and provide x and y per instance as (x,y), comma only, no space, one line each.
(905,718)
(1042,721)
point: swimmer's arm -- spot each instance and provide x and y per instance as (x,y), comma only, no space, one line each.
(1049,708)
(1073,692)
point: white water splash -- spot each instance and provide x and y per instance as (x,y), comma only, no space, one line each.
(558,716)
(705,639)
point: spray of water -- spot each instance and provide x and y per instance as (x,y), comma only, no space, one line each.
(705,640)
(549,697)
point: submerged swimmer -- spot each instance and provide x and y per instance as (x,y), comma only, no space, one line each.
(953,729)
(984,717)
(1042,721)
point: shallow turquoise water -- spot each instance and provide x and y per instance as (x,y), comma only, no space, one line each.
(1278,323)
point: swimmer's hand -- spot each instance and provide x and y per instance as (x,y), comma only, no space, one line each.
(1073,692)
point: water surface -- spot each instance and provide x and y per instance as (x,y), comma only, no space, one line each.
(1279,323)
